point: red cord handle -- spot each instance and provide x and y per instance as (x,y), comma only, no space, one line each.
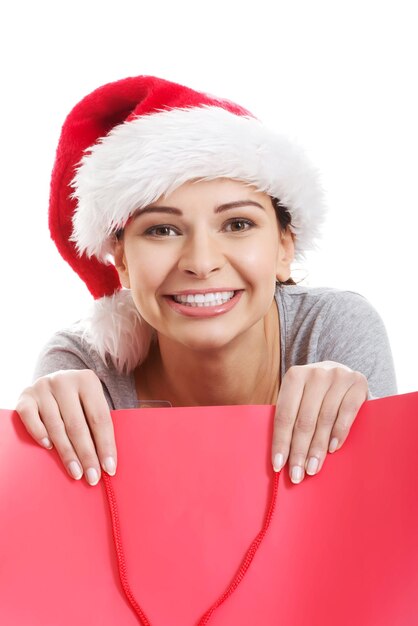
(111,498)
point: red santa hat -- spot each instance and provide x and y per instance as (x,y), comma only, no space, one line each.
(130,142)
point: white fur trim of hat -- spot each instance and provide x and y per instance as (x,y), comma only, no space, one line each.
(141,160)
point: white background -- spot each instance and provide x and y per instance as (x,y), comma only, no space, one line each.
(338,76)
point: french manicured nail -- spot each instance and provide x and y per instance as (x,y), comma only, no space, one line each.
(296,474)
(109,465)
(313,465)
(46,443)
(278,462)
(92,476)
(333,445)
(75,470)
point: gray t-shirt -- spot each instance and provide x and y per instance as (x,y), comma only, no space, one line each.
(316,324)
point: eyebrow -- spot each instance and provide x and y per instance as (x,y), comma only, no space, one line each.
(175,211)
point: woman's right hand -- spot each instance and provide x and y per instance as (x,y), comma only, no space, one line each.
(68,410)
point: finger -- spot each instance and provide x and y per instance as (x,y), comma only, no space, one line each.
(288,401)
(327,417)
(349,408)
(100,422)
(314,392)
(51,417)
(27,408)
(78,433)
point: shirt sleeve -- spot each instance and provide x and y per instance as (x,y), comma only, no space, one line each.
(354,335)
(63,351)
(68,350)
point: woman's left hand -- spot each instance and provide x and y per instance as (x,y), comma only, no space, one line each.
(316,407)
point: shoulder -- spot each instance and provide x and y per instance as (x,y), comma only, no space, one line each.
(297,296)
(323,324)
(68,349)
(324,304)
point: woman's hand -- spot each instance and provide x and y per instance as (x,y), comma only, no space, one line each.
(68,410)
(316,406)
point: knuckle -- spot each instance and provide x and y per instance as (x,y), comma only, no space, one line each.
(327,418)
(88,378)
(88,459)
(294,373)
(99,420)
(339,374)
(305,424)
(350,410)
(343,427)
(87,374)
(297,457)
(23,407)
(75,428)
(55,430)
(35,430)
(360,379)
(319,374)
(41,386)
(283,420)
(66,453)
(57,379)
(319,446)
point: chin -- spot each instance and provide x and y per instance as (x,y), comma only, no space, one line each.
(205,341)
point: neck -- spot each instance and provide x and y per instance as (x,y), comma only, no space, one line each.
(247,372)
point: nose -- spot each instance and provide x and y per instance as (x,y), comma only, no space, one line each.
(201,255)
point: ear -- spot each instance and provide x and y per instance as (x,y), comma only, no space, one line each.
(120,263)
(285,256)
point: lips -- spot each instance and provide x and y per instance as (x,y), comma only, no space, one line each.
(211,298)
(204,303)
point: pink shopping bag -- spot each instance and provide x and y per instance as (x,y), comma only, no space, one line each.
(196,528)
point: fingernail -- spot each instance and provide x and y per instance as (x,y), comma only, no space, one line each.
(75,470)
(313,465)
(109,465)
(333,445)
(45,442)
(278,462)
(92,476)
(296,474)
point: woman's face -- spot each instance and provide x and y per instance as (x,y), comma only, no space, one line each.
(202,262)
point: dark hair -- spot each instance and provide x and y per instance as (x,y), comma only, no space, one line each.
(283,215)
(284,219)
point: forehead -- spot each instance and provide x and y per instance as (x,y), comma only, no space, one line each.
(212,197)
(213,192)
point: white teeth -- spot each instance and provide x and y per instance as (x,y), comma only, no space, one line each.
(205,299)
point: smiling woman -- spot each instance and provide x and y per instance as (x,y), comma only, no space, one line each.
(202,210)
(215,263)
(207,247)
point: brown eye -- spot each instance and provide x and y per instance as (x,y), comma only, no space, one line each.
(239,225)
(162,230)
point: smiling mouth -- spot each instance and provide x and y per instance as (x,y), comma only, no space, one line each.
(214,298)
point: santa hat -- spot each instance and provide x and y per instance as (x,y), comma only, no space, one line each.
(128,143)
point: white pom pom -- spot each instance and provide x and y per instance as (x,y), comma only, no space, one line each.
(117,331)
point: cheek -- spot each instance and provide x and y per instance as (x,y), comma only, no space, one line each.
(148,265)
(149,268)
(261,260)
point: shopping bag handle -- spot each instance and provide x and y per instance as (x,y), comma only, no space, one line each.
(242,570)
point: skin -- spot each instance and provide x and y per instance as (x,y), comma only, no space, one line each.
(195,240)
